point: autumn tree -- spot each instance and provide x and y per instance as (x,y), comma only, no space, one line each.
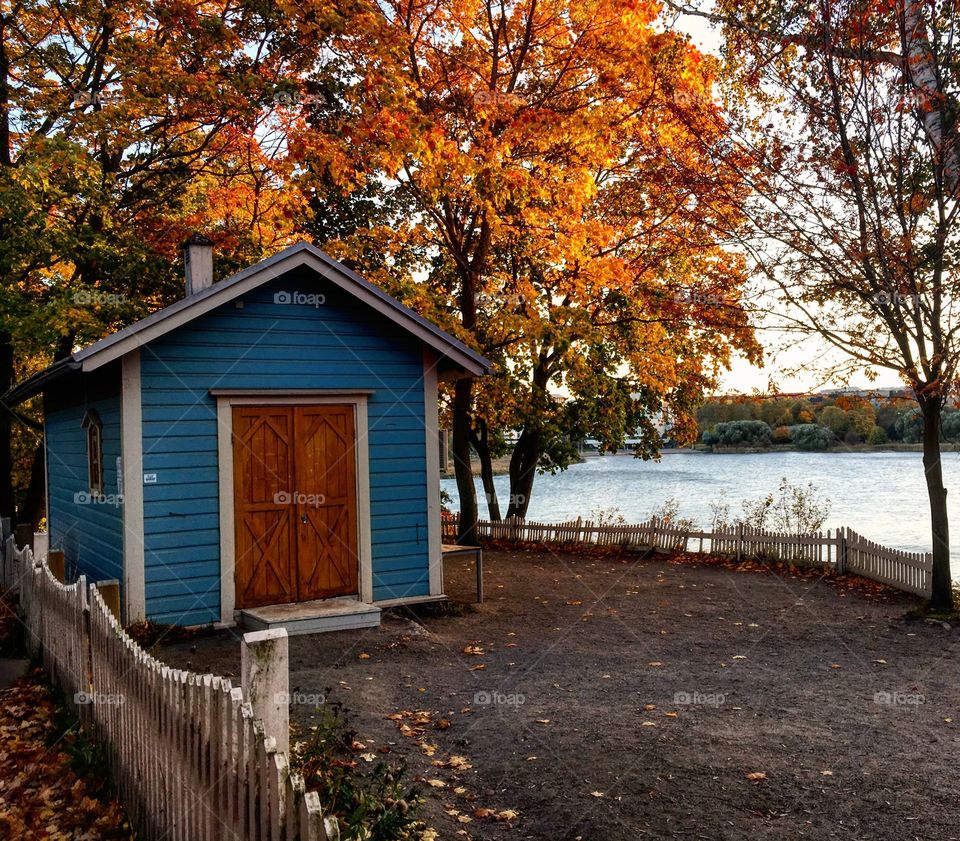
(122,128)
(564,205)
(849,113)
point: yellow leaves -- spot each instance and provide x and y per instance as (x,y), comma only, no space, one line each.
(457,763)
(756,776)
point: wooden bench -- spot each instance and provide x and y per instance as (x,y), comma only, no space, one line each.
(451,549)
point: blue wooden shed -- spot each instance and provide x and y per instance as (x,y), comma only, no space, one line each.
(265,449)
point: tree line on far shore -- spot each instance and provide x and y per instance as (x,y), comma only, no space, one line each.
(816,423)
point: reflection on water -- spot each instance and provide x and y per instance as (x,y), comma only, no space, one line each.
(880,495)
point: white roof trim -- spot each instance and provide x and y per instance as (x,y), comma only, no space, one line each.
(302,254)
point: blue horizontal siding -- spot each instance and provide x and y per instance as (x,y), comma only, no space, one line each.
(402,584)
(209,536)
(266,345)
(192,511)
(89,534)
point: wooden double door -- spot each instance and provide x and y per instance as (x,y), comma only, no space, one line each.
(295,503)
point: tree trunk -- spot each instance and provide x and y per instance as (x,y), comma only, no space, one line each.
(7,500)
(34,504)
(463,469)
(481,443)
(921,72)
(523,470)
(941,597)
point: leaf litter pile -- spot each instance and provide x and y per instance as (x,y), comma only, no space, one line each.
(42,795)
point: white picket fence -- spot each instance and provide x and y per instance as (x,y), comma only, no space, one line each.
(190,760)
(909,571)
(843,549)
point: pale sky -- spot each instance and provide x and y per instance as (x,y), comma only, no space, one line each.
(743,377)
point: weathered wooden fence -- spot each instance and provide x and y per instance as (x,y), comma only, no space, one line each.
(910,571)
(191,759)
(843,549)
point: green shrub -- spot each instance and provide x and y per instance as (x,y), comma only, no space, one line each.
(909,427)
(878,436)
(741,433)
(950,426)
(372,806)
(792,509)
(811,436)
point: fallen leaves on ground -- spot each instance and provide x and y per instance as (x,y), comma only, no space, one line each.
(756,776)
(412,723)
(40,795)
(458,763)
(882,593)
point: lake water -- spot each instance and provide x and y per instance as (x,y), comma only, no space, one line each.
(880,495)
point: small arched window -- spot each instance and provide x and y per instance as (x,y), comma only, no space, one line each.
(94,429)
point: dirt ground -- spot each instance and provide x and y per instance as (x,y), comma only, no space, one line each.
(627,698)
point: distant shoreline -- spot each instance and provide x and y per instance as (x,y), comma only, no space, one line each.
(837,448)
(501,466)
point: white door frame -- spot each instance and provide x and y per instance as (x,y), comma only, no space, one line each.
(226,400)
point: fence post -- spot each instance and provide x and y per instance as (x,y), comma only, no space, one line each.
(110,593)
(842,550)
(41,544)
(265,680)
(739,541)
(56,564)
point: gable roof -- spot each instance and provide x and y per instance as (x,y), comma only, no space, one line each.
(302,254)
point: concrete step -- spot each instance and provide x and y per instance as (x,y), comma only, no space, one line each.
(340,614)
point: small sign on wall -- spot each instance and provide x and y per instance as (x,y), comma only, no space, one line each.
(149,478)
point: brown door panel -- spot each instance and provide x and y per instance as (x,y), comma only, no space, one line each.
(265,563)
(295,503)
(326,479)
